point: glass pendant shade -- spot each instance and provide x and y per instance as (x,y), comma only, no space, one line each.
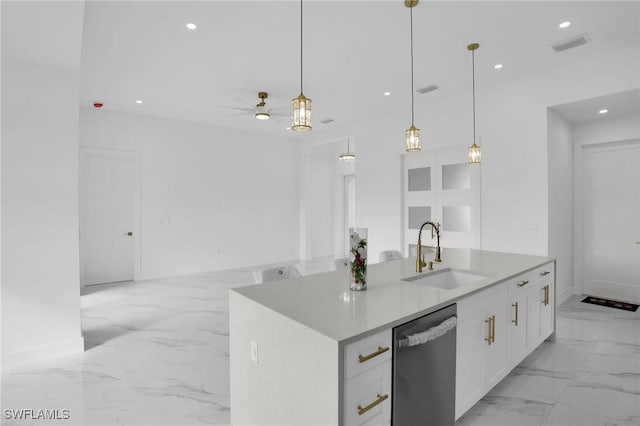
(412,139)
(475,154)
(301,113)
(412,134)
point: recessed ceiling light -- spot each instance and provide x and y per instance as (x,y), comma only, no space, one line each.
(192,26)
(387,93)
(603,111)
(498,66)
(138,101)
(564,24)
(288,128)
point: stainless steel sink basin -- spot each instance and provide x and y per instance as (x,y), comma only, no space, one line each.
(447,279)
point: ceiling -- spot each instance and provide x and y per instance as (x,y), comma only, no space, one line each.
(353,52)
(616,104)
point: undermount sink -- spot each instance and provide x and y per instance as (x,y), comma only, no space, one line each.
(447,279)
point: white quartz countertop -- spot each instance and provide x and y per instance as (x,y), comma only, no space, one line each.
(324,303)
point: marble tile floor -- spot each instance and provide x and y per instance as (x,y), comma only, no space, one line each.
(157,354)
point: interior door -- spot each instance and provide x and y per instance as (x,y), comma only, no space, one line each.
(106,217)
(611,227)
(440,186)
(420,199)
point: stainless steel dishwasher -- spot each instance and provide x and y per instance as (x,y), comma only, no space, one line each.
(424,370)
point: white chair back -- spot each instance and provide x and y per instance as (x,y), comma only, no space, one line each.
(279,273)
(341,264)
(388,255)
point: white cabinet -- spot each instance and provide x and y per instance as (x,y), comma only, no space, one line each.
(367,380)
(469,346)
(481,345)
(494,363)
(498,328)
(517,327)
(542,305)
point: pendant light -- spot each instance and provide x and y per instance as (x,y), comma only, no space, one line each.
(347,157)
(301,106)
(412,135)
(475,153)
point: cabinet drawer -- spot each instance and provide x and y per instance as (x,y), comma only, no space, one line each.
(521,283)
(529,279)
(367,353)
(368,396)
(544,272)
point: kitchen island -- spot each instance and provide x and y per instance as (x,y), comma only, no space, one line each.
(297,345)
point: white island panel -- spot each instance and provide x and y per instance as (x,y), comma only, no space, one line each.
(295,363)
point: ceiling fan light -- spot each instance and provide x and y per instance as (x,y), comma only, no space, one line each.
(301,113)
(412,139)
(261,113)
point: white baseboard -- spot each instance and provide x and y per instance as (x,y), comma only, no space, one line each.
(563,296)
(42,353)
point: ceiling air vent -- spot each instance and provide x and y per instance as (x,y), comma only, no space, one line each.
(570,43)
(327,120)
(427,89)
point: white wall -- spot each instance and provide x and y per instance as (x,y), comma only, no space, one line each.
(40,289)
(212,198)
(323,194)
(607,129)
(561,214)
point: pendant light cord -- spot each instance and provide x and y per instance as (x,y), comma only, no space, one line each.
(301,91)
(411,26)
(473,91)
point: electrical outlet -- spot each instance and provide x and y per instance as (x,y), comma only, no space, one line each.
(254,352)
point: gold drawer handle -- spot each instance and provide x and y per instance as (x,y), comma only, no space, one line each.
(545,273)
(546,295)
(381,350)
(362,410)
(515,321)
(523,283)
(493,328)
(491,322)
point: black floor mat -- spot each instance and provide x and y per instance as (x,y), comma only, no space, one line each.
(610,303)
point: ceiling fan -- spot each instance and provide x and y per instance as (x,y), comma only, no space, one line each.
(260,111)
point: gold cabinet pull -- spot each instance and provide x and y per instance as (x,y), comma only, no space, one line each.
(543,273)
(546,295)
(515,321)
(523,283)
(493,328)
(491,322)
(381,350)
(379,399)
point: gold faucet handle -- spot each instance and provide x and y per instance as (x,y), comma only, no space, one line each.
(422,262)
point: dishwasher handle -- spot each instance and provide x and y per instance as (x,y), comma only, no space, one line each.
(431,334)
